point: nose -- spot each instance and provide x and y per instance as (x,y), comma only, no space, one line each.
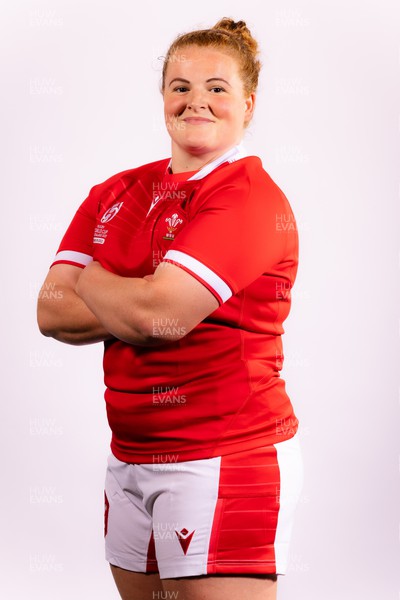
(196,100)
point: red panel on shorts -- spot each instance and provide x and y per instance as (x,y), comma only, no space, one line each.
(246,516)
(151,566)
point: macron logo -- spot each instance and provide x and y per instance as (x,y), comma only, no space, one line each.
(184,538)
(153,203)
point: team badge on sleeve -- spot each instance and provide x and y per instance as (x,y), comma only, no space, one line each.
(101,232)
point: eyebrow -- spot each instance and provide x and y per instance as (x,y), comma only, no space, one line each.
(208,80)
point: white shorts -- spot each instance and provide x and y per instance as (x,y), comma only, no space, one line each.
(224,515)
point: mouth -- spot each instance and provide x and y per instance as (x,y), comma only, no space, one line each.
(197,120)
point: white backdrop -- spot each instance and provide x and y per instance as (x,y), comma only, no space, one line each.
(80,102)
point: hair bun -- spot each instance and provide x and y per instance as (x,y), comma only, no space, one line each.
(239,29)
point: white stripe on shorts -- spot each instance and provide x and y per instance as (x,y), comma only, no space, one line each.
(291,482)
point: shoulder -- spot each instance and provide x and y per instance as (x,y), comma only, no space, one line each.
(248,170)
(244,178)
(130,176)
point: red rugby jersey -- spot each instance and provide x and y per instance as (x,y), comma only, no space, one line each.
(217,390)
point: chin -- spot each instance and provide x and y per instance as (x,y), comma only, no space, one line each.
(198,146)
(198,149)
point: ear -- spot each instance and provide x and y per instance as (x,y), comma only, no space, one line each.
(250,103)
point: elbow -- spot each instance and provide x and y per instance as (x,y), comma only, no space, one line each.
(48,330)
(48,324)
(153,330)
(162,329)
(45,331)
(44,322)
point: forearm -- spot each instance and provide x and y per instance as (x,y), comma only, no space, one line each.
(64,316)
(154,310)
(123,305)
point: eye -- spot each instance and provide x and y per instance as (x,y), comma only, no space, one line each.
(180,88)
(217,89)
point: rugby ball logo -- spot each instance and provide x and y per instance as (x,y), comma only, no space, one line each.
(111,212)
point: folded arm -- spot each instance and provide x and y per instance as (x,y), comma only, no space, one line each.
(149,311)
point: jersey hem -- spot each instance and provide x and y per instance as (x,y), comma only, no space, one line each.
(198,453)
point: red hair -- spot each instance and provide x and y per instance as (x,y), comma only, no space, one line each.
(228,36)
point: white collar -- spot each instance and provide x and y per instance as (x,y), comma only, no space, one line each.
(230,156)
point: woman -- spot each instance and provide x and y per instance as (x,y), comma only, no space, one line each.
(183,268)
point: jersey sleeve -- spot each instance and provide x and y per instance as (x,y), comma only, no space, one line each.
(76,246)
(233,238)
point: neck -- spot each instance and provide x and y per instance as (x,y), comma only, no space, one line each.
(182,161)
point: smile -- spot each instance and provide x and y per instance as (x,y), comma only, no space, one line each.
(197,120)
